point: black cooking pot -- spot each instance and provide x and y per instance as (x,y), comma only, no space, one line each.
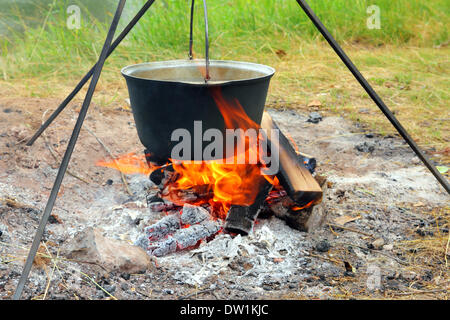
(169,95)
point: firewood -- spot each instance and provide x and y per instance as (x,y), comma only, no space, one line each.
(295,178)
(308,219)
(240,219)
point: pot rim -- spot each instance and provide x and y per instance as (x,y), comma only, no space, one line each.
(267,71)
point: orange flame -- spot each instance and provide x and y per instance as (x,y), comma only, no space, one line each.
(226,182)
(129,163)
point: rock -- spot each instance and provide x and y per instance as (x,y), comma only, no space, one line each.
(365,147)
(90,246)
(125,276)
(322,246)
(388,247)
(168,291)
(377,244)
(314,117)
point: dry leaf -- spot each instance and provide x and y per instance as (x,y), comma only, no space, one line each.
(314,103)
(280,53)
(345,219)
(419,204)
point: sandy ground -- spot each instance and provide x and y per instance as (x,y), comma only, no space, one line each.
(385,193)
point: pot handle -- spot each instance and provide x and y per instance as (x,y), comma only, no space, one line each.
(191,37)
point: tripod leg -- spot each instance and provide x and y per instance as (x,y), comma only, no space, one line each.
(375,97)
(68,153)
(85,79)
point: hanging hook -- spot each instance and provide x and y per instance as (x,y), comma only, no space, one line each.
(207,77)
(191,37)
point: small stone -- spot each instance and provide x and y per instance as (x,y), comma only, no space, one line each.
(388,247)
(365,147)
(378,244)
(168,291)
(90,246)
(125,276)
(322,246)
(314,117)
(110,288)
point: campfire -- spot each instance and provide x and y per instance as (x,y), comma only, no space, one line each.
(204,198)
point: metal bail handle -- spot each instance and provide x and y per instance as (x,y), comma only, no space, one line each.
(191,37)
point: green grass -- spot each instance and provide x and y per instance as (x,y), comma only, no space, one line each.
(237,28)
(406,60)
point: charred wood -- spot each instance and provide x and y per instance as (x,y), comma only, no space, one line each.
(295,178)
(308,219)
(240,219)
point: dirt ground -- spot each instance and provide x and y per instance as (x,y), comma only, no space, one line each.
(392,241)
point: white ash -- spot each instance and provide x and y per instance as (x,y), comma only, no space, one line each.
(193,214)
(185,238)
(167,225)
(273,250)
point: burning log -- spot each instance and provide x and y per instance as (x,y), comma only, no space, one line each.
(295,178)
(308,219)
(240,219)
(167,225)
(157,204)
(185,238)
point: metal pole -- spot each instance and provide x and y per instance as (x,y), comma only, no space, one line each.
(191,32)
(363,82)
(68,153)
(85,79)
(205,9)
